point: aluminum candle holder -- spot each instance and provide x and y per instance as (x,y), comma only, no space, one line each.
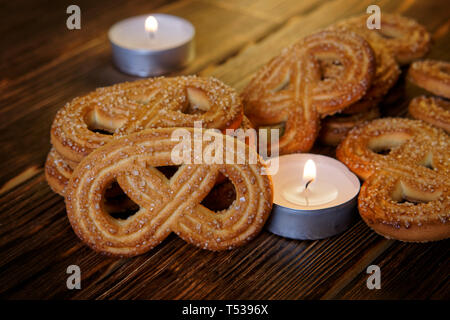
(152,45)
(331,211)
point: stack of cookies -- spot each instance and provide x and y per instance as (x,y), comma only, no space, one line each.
(351,78)
(112,148)
(399,41)
(335,80)
(125,192)
(91,121)
(433,76)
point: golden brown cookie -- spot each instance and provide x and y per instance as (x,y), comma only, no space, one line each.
(293,88)
(406,167)
(166,204)
(404,37)
(432,75)
(91,121)
(433,110)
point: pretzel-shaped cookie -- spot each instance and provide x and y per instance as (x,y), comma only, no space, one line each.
(432,75)
(290,89)
(433,110)
(408,39)
(404,37)
(406,194)
(130,107)
(166,205)
(58,170)
(387,70)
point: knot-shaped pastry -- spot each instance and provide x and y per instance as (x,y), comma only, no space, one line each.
(91,121)
(433,110)
(432,75)
(58,170)
(387,70)
(404,37)
(172,204)
(296,88)
(406,164)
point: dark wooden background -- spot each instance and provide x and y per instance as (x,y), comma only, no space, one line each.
(44,65)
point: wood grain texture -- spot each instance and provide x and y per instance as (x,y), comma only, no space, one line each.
(299,26)
(79,61)
(278,11)
(46,65)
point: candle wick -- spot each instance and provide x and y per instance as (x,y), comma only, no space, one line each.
(306,192)
(307,184)
(151,34)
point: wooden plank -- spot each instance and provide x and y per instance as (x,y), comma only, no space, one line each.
(78,61)
(408,271)
(254,56)
(277,11)
(28,104)
(19,179)
(357,269)
(34,43)
(248,61)
(37,243)
(221,36)
(232,35)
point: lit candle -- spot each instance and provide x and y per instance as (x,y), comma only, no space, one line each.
(311,191)
(314,197)
(152,45)
(151,26)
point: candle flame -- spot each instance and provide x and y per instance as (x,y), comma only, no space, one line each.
(151,24)
(309,171)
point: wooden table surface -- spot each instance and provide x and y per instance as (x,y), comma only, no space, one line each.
(44,65)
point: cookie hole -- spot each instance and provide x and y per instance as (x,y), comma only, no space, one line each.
(384,144)
(283,85)
(411,200)
(197,102)
(388,33)
(221,196)
(330,69)
(383,151)
(168,171)
(414,194)
(144,96)
(117,204)
(103,124)
(101,131)
(266,130)
(427,165)
(428,162)
(445,69)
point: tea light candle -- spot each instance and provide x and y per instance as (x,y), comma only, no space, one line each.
(311,192)
(314,197)
(152,45)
